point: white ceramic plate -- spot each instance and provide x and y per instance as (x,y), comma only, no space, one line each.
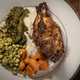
(72,26)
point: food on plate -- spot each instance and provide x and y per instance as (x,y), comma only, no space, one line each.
(15,25)
(47,34)
(12,39)
(30,65)
(29,71)
(21,66)
(29,39)
(42,61)
(33,64)
(43,64)
(9,55)
(23,53)
(38,56)
(26,60)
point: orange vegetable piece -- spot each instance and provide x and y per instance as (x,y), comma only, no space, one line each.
(29,71)
(21,66)
(43,65)
(26,60)
(37,56)
(23,53)
(33,64)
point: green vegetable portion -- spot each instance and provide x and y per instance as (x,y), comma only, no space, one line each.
(9,54)
(12,38)
(15,25)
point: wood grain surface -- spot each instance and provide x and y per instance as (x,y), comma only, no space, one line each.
(75,4)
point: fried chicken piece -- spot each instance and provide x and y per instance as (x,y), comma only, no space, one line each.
(47,34)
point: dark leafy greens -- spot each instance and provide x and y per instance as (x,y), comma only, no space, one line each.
(15,25)
(12,38)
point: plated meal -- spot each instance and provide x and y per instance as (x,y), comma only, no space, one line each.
(30,40)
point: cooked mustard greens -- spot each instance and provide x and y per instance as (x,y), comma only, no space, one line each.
(15,25)
(12,38)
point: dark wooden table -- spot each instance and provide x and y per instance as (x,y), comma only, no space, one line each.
(75,4)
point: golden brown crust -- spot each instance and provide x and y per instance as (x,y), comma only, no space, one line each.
(47,34)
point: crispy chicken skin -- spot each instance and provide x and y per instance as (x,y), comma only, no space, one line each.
(47,34)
